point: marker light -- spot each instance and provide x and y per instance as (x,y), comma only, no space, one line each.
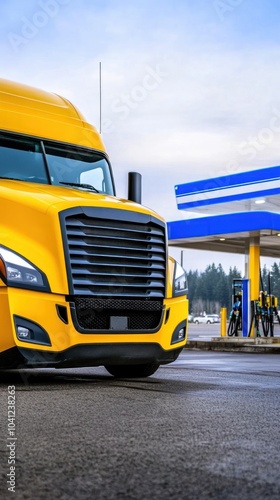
(28,331)
(23,333)
(181,334)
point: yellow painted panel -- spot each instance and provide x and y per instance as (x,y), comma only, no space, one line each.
(38,113)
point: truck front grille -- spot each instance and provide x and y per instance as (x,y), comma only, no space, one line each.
(116,264)
(114,253)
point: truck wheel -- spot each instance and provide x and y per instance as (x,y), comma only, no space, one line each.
(132,371)
(196,322)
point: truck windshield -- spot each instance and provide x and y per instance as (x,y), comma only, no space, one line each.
(45,162)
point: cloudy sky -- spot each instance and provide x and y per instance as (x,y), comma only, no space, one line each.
(190,88)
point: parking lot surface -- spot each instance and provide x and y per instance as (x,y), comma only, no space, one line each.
(206,426)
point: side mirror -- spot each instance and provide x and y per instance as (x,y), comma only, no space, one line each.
(135,187)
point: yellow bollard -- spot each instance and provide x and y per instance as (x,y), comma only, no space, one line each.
(223,325)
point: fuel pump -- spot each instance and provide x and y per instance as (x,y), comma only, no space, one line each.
(265,310)
(252,318)
(235,319)
(268,305)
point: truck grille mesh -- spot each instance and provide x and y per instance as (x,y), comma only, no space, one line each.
(95,314)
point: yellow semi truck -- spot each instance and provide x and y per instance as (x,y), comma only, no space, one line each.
(85,277)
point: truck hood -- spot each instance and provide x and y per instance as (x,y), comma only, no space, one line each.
(43,197)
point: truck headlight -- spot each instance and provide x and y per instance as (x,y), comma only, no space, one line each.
(180,283)
(19,272)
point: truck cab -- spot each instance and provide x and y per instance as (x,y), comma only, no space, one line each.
(85,277)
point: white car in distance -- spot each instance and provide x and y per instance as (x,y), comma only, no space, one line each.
(208,319)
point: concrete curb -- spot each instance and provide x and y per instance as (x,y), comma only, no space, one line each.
(267,346)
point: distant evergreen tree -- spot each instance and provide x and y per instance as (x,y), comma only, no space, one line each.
(275,280)
(210,290)
(221,294)
(264,279)
(193,278)
(232,275)
(213,288)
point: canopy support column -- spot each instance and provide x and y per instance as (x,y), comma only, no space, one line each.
(252,272)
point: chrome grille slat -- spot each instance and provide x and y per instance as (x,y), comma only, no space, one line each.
(115,232)
(116,248)
(138,258)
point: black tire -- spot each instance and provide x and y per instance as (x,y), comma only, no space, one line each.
(132,371)
(197,322)
(208,322)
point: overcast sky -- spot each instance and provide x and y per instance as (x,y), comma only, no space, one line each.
(190,88)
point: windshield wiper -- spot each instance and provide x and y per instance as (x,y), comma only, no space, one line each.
(85,186)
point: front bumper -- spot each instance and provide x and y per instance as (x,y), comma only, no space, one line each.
(68,347)
(98,355)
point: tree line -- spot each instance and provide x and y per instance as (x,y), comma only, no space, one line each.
(213,288)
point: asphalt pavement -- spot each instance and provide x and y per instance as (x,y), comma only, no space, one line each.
(204,427)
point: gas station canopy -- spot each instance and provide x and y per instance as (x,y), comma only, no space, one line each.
(231,211)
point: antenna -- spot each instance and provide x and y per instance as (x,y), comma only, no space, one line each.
(100,102)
